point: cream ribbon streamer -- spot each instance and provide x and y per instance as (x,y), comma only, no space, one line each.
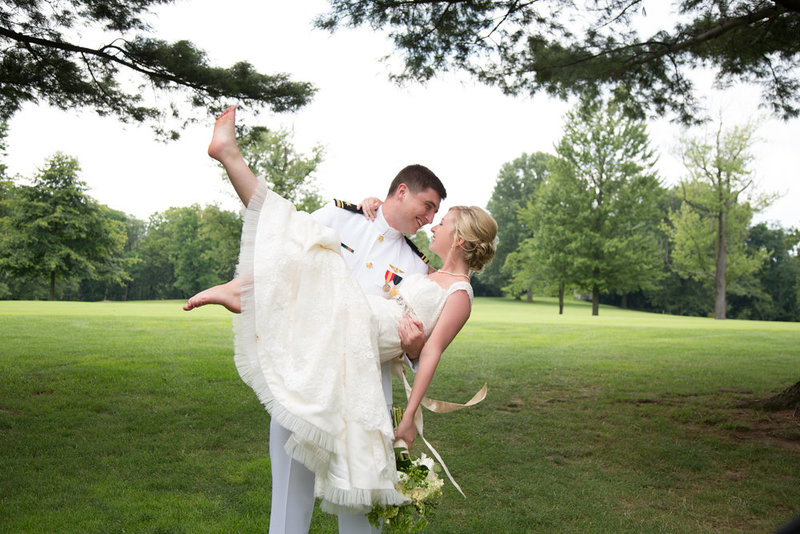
(435,406)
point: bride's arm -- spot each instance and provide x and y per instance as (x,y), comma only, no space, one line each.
(453,317)
(370,207)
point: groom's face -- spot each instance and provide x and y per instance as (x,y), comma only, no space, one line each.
(417,209)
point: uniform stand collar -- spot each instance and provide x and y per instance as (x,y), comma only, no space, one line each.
(383,227)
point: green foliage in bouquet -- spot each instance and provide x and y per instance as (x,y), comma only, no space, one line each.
(418,481)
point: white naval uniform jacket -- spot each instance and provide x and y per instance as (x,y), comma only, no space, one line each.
(370,249)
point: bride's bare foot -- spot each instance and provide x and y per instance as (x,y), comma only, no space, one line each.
(223,141)
(227,295)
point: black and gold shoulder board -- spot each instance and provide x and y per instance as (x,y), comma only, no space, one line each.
(349,206)
(416,250)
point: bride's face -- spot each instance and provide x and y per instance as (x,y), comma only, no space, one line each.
(443,235)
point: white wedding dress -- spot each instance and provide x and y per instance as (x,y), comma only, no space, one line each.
(310,344)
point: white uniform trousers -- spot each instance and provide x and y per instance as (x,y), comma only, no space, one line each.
(293,493)
(292,487)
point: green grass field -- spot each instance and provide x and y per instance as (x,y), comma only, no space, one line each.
(130,417)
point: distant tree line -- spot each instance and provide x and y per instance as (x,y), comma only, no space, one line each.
(594,220)
(57,242)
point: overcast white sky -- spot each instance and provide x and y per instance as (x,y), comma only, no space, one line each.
(369,127)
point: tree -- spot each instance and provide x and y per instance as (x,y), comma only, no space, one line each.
(526,273)
(114,272)
(3,148)
(272,156)
(671,293)
(109,284)
(221,232)
(595,217)
(154,275)
(783,270)
(547,260)
(6,190)
(55,230)
(771,294)
(193,268)
(709,231)
(184,250)
(516,185)
(43,62)
(787,399)
(136,230)
(564,47)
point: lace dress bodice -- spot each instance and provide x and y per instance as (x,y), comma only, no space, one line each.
(418,296)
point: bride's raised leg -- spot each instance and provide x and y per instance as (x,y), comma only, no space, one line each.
(228,295)
(224,149)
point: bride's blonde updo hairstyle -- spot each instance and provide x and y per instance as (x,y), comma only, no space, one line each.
(479,231)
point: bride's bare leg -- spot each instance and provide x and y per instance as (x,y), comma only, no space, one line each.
(224,149)
(227,295)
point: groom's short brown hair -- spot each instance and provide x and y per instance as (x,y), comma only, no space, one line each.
(418,178)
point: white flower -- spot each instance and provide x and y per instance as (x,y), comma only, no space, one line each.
(426,461)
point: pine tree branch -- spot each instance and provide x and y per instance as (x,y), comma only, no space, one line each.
(791,5)
(723,27)
(676,45)
(28,40)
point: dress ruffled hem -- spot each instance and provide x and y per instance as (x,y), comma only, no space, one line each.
(245,348)
(356,501)
(309,444)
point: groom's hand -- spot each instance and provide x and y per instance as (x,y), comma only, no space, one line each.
(412,336)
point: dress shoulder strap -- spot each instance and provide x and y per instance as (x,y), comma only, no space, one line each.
(461,286)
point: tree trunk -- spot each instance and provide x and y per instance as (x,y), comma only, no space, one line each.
(561,298)
(785,400)
(52,285)
(722,265)
(624,303)
(595,300)
(529,298)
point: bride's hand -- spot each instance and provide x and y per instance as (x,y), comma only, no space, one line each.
(406,431)
(370,206)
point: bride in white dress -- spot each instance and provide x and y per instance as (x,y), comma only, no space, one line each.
(310,343)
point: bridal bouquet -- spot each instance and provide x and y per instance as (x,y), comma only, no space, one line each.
(417,480)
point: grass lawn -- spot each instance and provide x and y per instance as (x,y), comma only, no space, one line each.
(130,417)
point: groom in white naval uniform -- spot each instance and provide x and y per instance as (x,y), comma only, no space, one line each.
(379,256)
